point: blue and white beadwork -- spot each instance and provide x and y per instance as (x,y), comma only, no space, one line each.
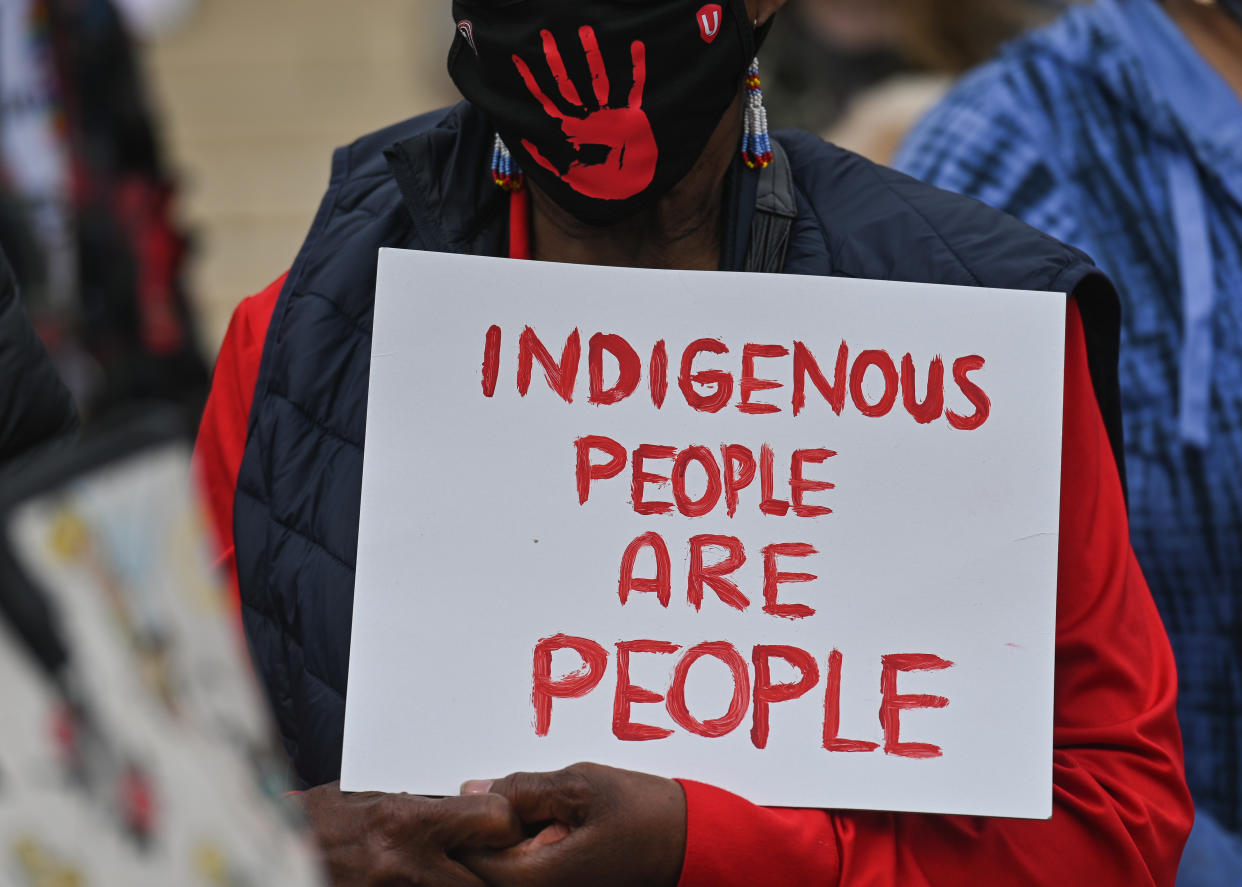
(505,171)
(756,141)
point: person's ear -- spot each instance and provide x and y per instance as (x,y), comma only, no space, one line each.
(761,11)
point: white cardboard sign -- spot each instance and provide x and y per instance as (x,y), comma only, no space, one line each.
(821,572)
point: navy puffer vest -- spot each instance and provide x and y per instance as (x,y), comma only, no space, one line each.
(425,184)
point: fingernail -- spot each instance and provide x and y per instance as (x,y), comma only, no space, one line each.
(477,786)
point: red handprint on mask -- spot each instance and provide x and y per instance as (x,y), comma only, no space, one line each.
(630,164)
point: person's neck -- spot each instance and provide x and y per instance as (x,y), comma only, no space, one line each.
(684,230)
(1216,34)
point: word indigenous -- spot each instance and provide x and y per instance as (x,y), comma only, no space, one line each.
(872,381)
(712,390)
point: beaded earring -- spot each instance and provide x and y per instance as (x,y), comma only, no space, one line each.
(505,172)
(756,141)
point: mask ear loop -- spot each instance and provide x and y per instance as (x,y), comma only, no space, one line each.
(756,140)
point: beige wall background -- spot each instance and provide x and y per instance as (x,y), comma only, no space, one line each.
(255,94)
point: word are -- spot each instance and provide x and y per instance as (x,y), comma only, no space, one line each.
(714,576)
(710,390)
(749,697)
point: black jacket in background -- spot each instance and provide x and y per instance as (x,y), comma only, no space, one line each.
(35,406)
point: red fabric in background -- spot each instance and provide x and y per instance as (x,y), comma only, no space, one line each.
(519,224)
(1121,808)
(222,433)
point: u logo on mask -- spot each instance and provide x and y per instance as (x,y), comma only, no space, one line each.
(628,166)
(709,22)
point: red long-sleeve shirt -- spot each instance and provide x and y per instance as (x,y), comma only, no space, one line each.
(1121,811)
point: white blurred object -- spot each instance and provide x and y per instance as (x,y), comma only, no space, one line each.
(146,759)
(34,155)
(154,18)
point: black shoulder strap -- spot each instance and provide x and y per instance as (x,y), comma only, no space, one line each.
(775,210)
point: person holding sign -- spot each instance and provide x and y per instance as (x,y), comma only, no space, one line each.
(604,132)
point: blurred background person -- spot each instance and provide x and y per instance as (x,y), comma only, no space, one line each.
(86,207)
(862,72)
(38,408)
(1119,130)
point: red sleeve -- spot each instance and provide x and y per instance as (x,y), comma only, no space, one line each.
(1121,808)
(222,434)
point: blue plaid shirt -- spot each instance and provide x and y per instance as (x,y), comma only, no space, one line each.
(1110,132)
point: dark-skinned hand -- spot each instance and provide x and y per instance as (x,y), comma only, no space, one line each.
(389,840)
(589,824)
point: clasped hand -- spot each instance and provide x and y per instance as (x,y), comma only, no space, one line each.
(586,824)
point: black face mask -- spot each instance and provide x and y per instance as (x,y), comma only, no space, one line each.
(1233,8)
(605,104)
